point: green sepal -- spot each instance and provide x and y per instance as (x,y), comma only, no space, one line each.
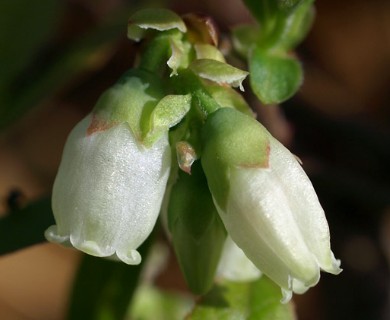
(197,232)
(208,51)
(227,97)
(133,96)
(167,113)
(274,76)
(155,19)
(180,54)
(231,139)
(259,300)
(219,72)
(188,82)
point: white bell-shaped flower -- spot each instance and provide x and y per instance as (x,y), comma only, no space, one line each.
(108,191)
(268,205)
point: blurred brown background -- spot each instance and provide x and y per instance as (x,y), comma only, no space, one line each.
(338,124)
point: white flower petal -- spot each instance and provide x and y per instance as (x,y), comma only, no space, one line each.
(108,191)
(304,204)
(258,207)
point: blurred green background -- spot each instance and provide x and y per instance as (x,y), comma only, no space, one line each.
(57,57)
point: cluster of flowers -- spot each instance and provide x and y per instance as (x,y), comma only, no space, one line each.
(235,198)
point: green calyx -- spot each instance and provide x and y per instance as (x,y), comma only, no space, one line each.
(197,232)
(231,139)
(130,100)
(138,99)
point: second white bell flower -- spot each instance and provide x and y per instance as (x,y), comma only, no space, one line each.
(269,207)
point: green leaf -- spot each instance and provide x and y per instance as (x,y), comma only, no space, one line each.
(265,12)
(155,19)
(219,72)
(284,23)
(228,300)
(103,288)
(244,38)
(293,26)
(167,113)
(152,303)
(25,227)
(197,232)
(274,77)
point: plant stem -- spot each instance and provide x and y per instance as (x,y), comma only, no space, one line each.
(155,56)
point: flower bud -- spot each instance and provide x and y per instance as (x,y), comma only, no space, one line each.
(198,234)
(109,187)
(234,264)
(269,207)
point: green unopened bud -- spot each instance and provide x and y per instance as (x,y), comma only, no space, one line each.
(197,232)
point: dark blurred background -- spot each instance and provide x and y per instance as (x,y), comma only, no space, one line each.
(57,57)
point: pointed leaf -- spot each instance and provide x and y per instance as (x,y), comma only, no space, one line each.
(274,77)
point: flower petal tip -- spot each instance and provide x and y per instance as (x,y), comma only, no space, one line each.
(335,267)
(93,248)
(287,295)
(51,234)
(129,257)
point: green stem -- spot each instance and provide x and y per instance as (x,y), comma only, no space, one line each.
(187,82)
(156,54)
